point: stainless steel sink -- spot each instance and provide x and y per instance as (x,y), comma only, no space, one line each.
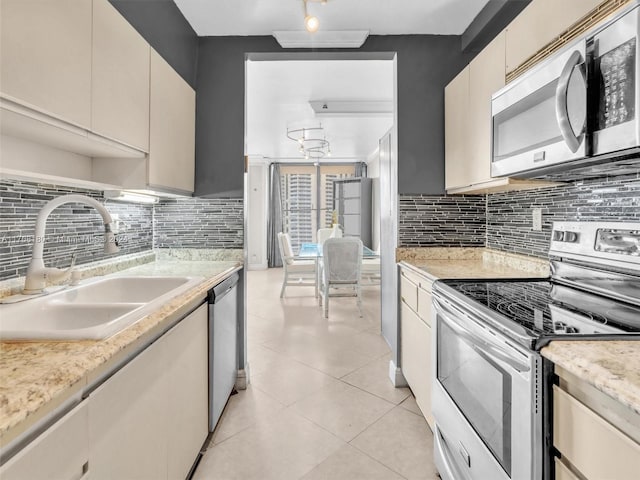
(94,310)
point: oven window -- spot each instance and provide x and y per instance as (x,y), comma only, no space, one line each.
(480,389)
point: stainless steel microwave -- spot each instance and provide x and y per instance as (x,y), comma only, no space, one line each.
(577,113)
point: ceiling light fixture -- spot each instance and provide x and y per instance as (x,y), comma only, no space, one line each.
(312,142)
(311,22)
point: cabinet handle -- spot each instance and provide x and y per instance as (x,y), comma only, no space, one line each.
(84,474)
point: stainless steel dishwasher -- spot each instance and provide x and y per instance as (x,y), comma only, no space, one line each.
(223,350)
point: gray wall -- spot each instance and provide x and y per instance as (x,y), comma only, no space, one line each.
(426,63)
(161,23)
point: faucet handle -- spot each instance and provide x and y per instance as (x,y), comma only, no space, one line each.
(74,256)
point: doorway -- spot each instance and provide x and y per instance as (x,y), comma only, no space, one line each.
(353,97)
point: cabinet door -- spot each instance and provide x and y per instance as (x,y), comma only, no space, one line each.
(61,452)
(591,444)
(128,421)
(456,133)
(416,358)
(171,129)
(187,371)
(539,24)
(46,56)
(120,78)
(486,76)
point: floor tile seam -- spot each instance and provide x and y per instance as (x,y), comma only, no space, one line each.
(329,431)
(291,359)
(373,393)
(313,367)
(419,415)
(373,458)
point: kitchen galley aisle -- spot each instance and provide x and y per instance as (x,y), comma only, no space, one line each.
(320,404)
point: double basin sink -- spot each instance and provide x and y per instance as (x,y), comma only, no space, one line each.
(94,310)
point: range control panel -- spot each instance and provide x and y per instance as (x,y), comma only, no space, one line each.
(600,242)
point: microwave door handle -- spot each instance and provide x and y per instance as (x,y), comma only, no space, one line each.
(479,344)
(562,109)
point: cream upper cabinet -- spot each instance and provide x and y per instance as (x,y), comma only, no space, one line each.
(486,76)
(456,125)
(539,24)
(172,128)
(120,78)
(468,118)
(46,56)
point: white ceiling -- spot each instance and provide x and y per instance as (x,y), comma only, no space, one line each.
(380,17)
(278,96)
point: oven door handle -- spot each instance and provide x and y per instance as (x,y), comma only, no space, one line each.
(572,140)
(480,344)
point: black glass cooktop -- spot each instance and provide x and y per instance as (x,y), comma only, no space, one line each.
(547,309)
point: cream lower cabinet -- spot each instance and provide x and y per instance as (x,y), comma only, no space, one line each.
(597,437)
(186,352)
(415,328)
(61,452)
(149,420)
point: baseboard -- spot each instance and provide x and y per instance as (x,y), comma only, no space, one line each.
(242,378)
(396,376)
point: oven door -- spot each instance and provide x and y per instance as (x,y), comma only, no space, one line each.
(539,120)
(484,398)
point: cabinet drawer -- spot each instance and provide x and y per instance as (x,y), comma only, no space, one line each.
(61,452)
(409,291)
(594,446)
(563,473)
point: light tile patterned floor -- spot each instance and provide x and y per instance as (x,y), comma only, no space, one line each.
(320,404)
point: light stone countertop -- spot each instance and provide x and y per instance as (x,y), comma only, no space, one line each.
(38,377)
(455,263)
(611,366)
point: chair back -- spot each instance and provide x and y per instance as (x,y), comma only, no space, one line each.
(342,259)
(286,252)
(323,234)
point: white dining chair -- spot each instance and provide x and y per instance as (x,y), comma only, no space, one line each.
(297,273)
(323,234)
(371,269)
(341,264)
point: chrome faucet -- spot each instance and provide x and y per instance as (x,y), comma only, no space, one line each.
(37,274)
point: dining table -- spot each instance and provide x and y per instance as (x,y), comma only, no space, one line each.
(314,251)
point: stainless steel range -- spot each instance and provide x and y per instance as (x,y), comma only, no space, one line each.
(490,383)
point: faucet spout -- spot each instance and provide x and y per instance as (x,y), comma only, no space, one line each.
(37,274)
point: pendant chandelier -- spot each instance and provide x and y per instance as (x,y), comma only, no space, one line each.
(312,141)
